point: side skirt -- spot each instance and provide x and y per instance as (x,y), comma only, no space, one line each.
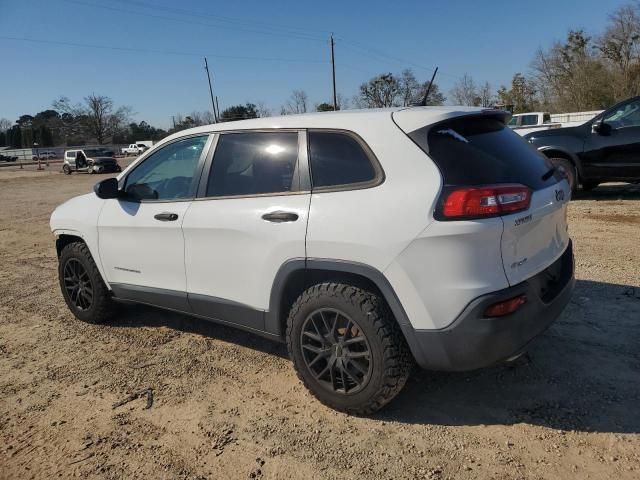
(212,309)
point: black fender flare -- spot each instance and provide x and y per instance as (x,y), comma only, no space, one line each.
(574,158)
(273,318)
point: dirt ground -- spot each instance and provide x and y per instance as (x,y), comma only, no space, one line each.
(228,405)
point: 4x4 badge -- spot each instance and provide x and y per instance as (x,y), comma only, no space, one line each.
(559,195)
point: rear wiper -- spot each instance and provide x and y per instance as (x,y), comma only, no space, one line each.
(547,175)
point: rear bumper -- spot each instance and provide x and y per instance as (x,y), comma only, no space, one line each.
(473,341)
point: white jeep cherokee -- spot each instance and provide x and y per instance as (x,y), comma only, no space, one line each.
(366,240)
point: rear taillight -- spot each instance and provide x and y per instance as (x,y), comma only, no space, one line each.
(505,307)
(467,203)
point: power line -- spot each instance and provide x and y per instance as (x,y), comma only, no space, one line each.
(221,18)
(299,36)
(161,52)
(381,56)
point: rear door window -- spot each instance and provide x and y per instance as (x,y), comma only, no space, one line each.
(339,159)
(482,151)
(253,163)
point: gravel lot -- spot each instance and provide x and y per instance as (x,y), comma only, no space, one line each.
(228,405)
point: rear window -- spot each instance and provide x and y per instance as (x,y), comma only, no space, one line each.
(482,151)
(528,120)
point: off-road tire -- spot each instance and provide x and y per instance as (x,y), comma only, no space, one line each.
(66,169)
(102,306)
(390,358)
(570,169)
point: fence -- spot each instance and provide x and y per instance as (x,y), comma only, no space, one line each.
(30,156)
(574,117)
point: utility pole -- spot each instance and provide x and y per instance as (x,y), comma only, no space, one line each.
(333,68)
(217,108)
(213,105)
(173,119)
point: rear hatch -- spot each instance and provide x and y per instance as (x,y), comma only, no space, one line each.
(483,161)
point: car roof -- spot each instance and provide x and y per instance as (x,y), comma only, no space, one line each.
(342,119)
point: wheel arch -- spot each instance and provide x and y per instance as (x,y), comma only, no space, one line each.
(555,151)
(297,275)
(65,239)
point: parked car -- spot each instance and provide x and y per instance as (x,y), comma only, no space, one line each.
(523,123)
(7,158)
(45,155)
(133,149)
(90,160)
(604,149)
(364,240)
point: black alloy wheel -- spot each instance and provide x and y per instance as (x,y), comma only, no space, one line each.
(336,351)
(78,284)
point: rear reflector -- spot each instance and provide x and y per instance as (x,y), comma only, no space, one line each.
(465,203)
(505,307)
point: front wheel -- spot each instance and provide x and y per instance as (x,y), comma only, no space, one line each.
(66,169)
(347,348)
(82,287)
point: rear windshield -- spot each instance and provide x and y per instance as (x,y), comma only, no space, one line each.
(482,151)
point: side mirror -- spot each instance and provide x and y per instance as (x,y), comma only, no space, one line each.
(601,128)
(107,188)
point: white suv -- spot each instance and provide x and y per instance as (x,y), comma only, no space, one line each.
(366,240)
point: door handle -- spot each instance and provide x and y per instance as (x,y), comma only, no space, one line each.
(280,216)
(166,217)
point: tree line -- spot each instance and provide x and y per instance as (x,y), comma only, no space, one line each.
(582,72)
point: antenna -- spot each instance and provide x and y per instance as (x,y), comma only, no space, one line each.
(423,103)
(213,105)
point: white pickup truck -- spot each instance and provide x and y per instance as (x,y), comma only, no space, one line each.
(133,149)
(523,123)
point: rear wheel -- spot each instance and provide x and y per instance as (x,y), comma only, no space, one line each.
(82,287)
(569,170)
(346,348)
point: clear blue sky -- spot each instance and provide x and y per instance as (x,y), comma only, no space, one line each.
(490,40)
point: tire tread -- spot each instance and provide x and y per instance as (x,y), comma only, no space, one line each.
(397,359)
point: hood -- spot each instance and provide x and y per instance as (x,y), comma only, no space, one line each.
(556,132)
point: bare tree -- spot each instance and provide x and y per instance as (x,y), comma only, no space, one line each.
(620,47)
(572,76)
(102,119)
(97,116)
(262,110)
(5,124)
(343,102)
(410,90)
(207,117)
(380,91)
(465,92)
(485,93)
(298,102)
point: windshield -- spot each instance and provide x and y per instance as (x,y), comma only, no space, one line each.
(627,115)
